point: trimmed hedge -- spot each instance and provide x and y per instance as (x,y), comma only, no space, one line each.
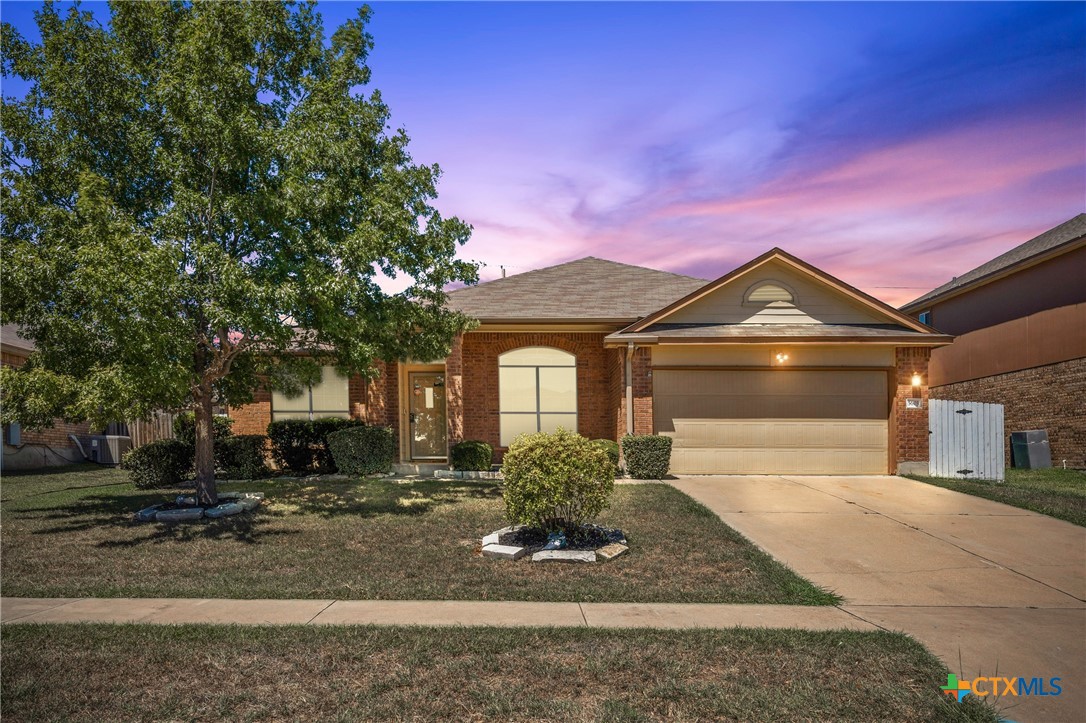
(363,450)
(301,446)
(555,481)
(647,456)
(184,427)
(242,456)
(609,446)
(164,463)
(472,455)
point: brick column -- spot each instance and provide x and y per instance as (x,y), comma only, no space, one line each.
(454,391)
(252,418)
(642,391)
(910,426)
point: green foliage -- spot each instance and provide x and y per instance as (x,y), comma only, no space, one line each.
(472,455)
(300,446)
(609,446)
(363,450)
(164,463)
(555,480)
(181,178)
(648,456)
(184,428)
(242,456)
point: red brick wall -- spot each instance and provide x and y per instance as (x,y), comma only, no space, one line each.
(454,391)
(595,367)
(55,436)
(910,426)
(642,391)
(616,360)
(1051,397)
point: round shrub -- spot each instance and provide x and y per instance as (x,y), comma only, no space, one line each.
(472,455)
(184,427)
(363,450)
(609,446)
(555,480)
(242,456)
(648,456)
(164,463)
(301,446)
(321,428)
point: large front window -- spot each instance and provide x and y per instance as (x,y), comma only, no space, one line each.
(537,391)
(327,398)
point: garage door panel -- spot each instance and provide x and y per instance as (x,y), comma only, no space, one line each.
(773,422)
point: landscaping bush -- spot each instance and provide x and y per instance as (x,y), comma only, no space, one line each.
(362,450)
(164,463)
(242,456)
(647,456)
(184,427)
(471,455)
(609,446)
(301,446)
(556,481)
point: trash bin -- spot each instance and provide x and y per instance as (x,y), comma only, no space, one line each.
(1029,449)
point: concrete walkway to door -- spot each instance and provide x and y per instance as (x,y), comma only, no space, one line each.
(991,589)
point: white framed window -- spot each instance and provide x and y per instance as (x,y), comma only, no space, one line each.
(769,293)
(327,398)
(537,391)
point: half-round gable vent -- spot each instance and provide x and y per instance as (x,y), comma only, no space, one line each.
(769,292)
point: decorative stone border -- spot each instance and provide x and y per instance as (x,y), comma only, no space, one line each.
(493,548)
(230,503)
(466,474)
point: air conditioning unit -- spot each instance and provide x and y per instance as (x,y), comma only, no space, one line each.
(108,448)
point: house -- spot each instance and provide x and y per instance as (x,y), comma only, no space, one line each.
(1020,323)
(776,367)
(28,449)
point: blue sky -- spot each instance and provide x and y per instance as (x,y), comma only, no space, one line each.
(894,145)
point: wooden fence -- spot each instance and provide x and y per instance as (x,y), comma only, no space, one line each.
(966,440)
(158,426)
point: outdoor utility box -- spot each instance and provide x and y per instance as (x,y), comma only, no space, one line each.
(1029,449)
(108,448)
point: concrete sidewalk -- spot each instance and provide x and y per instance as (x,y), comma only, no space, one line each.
(422,612)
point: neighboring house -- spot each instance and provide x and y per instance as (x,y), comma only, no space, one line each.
(1020,323)
(776,367)
(28,449)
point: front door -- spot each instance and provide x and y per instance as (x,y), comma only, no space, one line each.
(427,415)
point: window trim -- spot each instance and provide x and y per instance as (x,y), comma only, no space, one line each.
(538,413)
(769,282)
(925,313)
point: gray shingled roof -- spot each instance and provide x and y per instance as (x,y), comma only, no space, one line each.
(585,289)
(1065,233)
(724,332)
(11,341)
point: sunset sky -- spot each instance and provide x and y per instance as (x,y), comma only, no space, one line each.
(893,145)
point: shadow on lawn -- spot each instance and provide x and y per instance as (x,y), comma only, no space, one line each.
(283,502)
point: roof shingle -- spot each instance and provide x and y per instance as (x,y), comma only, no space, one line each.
(1067,232)
(588,289)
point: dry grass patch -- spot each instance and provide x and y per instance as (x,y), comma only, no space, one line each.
(102,672)
(1059,493)
(378,539)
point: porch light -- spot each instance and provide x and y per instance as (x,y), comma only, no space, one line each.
(917,380)
(782,357)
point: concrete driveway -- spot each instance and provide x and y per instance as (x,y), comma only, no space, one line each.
(987,587)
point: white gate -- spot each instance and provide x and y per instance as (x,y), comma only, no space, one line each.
(966,440)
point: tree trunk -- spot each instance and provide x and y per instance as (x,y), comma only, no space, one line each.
(206,493)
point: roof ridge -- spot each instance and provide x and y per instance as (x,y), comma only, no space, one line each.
(568,263)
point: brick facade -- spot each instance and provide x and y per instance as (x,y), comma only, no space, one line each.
(1049,397)
(909,427)
(41,447)
(596,417)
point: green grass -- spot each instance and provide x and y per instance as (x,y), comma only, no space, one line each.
(105,672)
(72,534)
(1055,492)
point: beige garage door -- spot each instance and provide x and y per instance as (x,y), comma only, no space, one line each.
(773,422)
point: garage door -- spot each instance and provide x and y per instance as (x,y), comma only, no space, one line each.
(773,422)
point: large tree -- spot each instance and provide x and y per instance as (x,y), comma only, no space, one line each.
(201,197)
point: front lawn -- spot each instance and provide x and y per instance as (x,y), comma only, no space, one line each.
(72,534)
(105,672)
(1056,492)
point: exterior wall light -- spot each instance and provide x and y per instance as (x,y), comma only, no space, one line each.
(917,381)
(782,357)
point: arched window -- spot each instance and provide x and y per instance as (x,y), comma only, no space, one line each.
(769,292)
(537,391)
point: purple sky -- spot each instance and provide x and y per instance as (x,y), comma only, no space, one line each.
(893,145)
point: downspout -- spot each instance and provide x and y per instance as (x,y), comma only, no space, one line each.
(629,388)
